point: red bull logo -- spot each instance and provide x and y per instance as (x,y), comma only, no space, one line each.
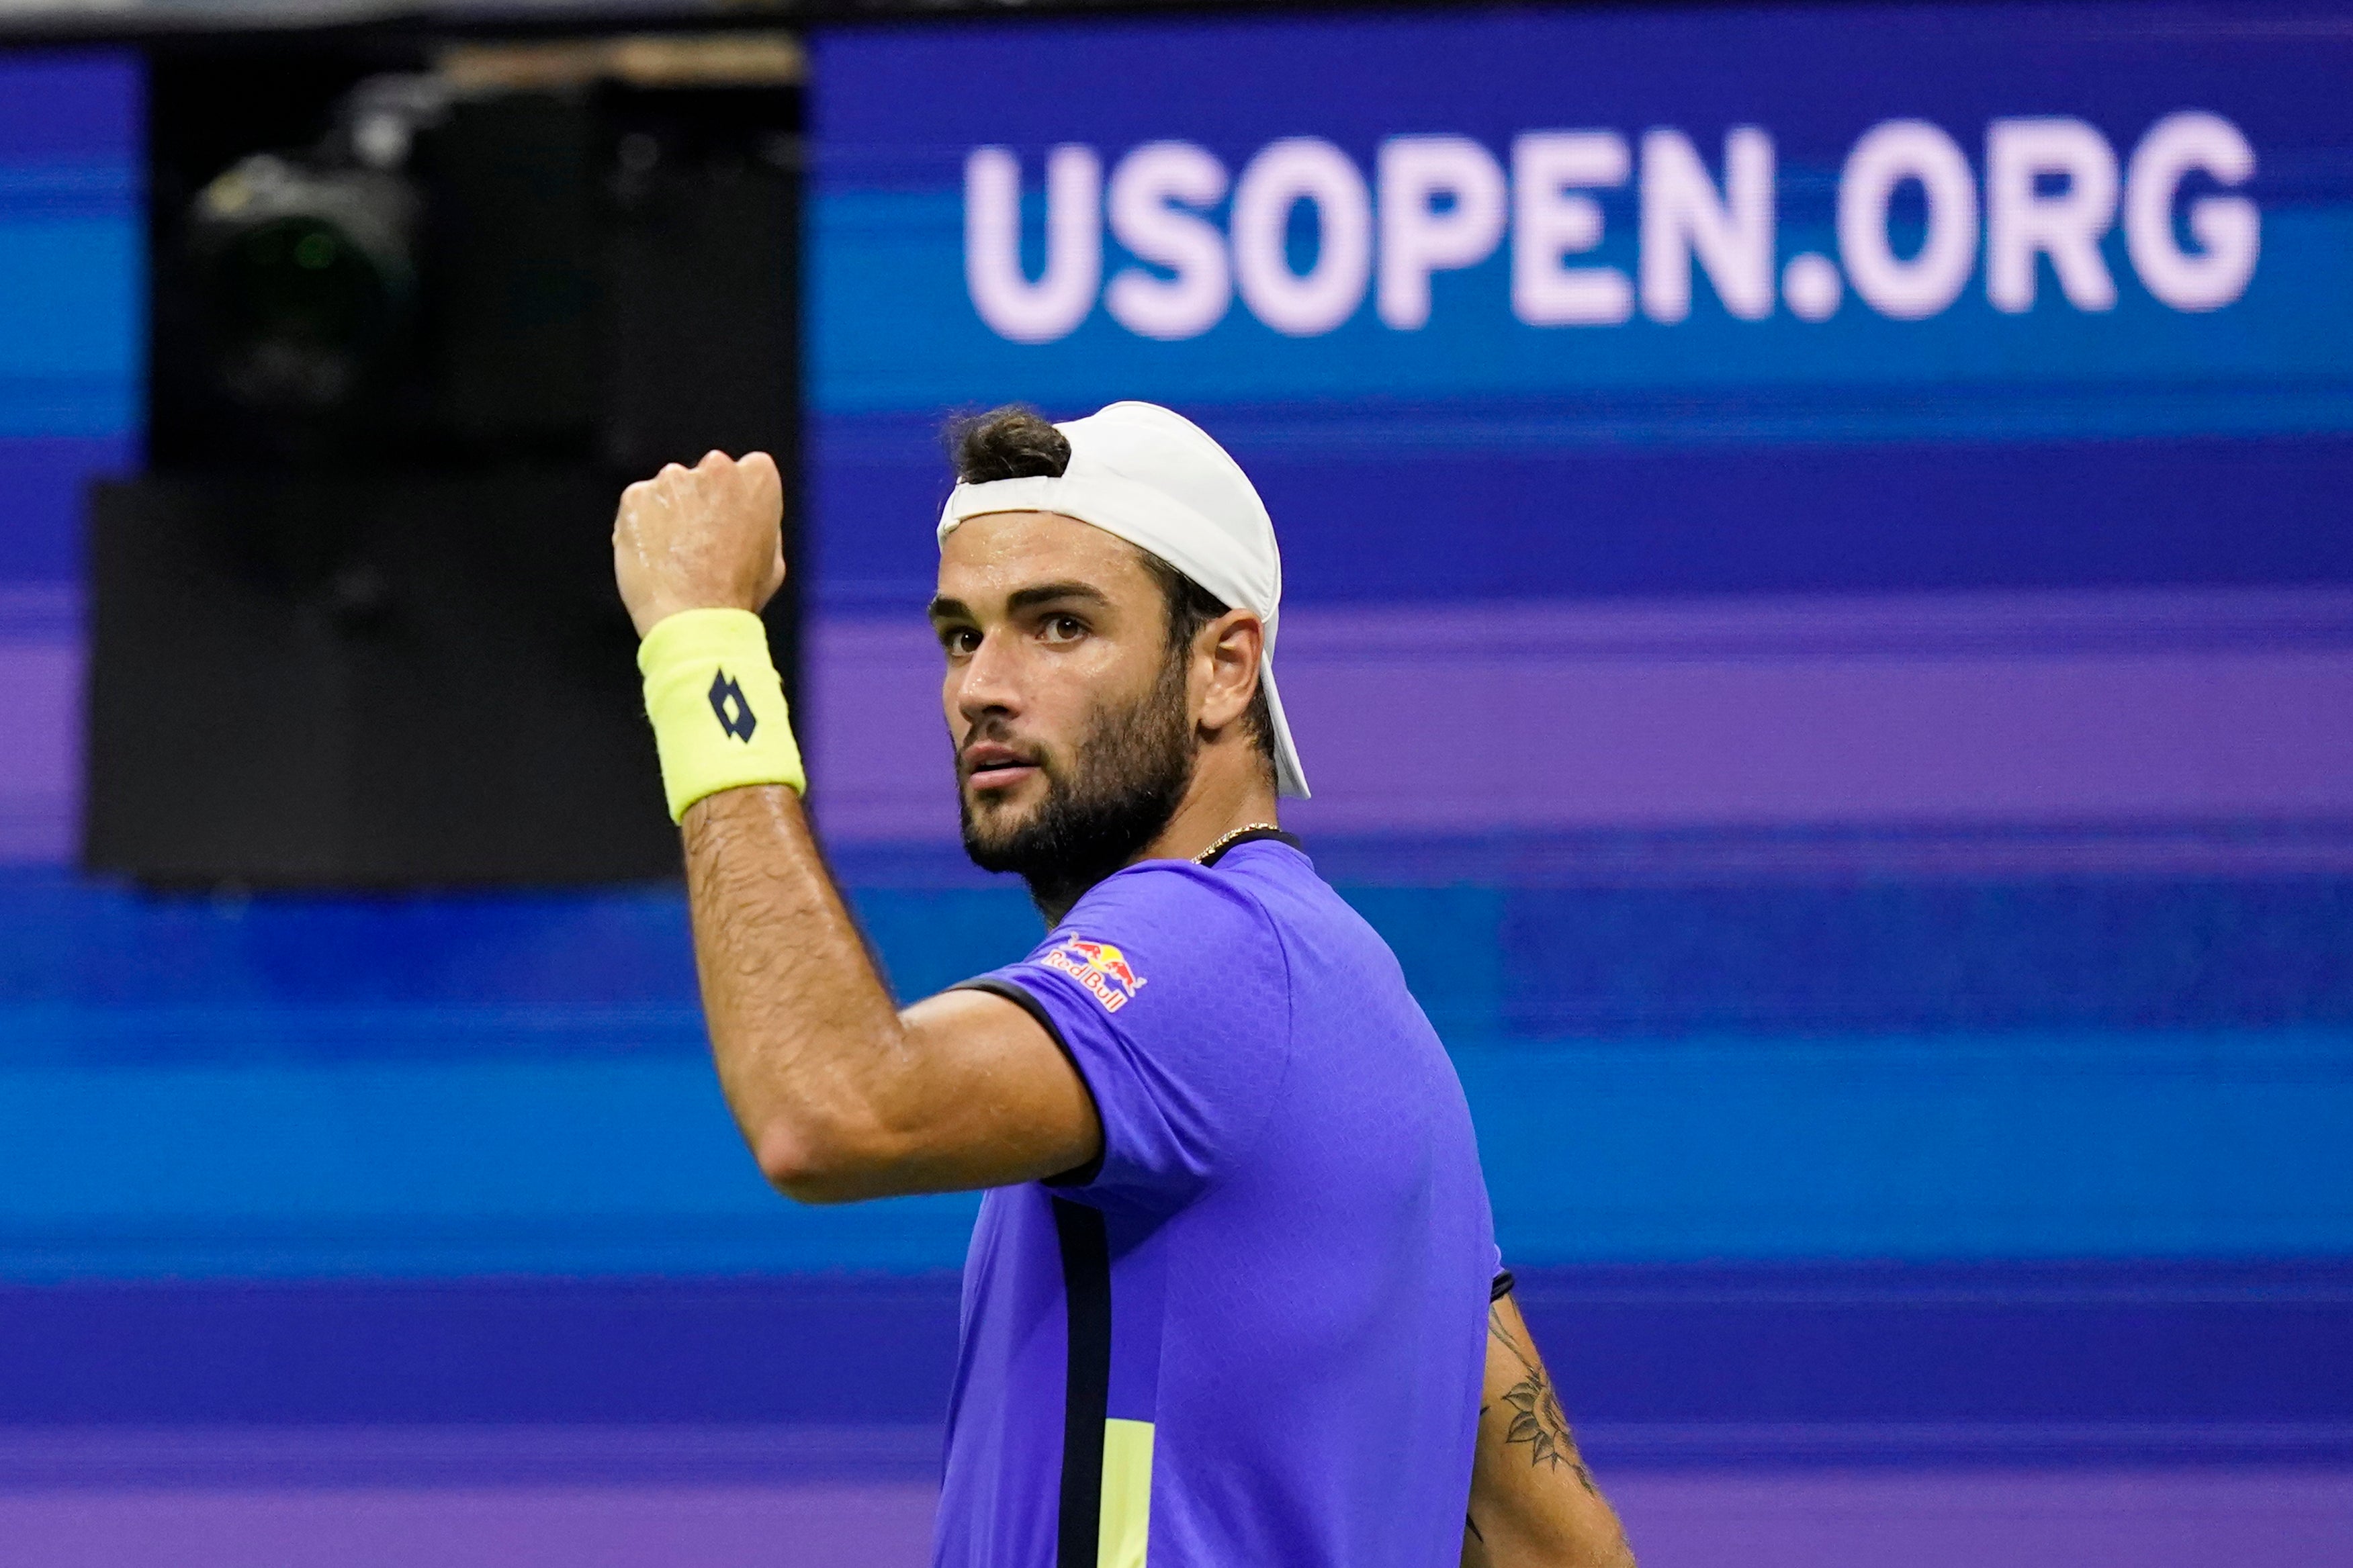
(1100,967)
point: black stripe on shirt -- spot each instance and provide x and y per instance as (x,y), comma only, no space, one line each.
(1086,1394)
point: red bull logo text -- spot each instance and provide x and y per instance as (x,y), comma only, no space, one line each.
(1100,967)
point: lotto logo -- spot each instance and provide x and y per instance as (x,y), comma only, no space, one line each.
(727,701)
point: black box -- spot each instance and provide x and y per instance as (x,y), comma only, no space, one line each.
(375,641)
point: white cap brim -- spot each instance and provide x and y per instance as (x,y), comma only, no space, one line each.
(1290,778)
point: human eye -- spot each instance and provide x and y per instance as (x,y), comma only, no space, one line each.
(1063,627)
(959,642)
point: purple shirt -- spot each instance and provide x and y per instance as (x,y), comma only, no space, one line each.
(1253,1333)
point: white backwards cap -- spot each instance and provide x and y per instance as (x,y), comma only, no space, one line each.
(1152,477)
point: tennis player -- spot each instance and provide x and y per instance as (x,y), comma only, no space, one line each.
(1233,1299)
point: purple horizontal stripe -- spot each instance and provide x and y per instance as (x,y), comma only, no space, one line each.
(2225,849)
(873,1525)
(1720,1445)
(1779,629)
(879,757)
(700,1454)
(401,1454)
(40,739)
(1969,712)
(36,611)
(1977,712)
(1864,1518)
(2025,1519)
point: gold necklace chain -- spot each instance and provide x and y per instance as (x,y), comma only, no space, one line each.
(1206,856)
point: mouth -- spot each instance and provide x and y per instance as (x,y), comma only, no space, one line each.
(991,767)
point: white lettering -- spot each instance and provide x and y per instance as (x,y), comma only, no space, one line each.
(1284,174)
(1887,156)
(1014,307)
(1146,217)
(1811,285)
(2022,221)
(1417,238)
(1683,218)
(1551,219)
(2228,229)
(2051,189)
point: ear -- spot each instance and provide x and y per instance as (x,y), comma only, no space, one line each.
(1230,645)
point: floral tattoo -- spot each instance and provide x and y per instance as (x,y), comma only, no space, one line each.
(1537,1420)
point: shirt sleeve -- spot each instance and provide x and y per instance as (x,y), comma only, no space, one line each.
(1170,989)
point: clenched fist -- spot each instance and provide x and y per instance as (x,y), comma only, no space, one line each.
(705,538)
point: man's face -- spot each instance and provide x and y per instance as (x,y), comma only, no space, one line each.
(1072,731)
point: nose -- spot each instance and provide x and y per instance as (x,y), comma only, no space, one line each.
(984,686)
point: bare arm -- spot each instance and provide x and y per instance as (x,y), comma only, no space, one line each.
(1533,1501)
(840,1095)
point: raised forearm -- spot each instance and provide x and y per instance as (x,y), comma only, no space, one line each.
(805,1034)
(840,1095)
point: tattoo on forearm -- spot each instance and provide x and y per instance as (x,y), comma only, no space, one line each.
(1537,1420)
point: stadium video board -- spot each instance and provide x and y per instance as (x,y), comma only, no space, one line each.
(1587,351)
(1553,310)
(1617,371)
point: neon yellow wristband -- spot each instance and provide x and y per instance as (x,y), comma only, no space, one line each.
(717,705)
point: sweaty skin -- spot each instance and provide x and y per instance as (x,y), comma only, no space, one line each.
(841,1096)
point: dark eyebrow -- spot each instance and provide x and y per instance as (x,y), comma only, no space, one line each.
(1055,592)
(943,608)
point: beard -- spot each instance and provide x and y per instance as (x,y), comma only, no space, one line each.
(1111,796)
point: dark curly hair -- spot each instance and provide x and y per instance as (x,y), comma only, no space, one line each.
(1013,442)
(1017,442)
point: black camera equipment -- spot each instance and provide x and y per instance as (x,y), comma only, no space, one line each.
(417,315)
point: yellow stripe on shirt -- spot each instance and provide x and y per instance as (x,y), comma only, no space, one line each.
(1126,1494)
